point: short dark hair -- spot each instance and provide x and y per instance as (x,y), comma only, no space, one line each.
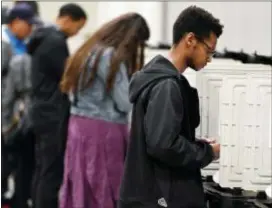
(197,20)
(72,10)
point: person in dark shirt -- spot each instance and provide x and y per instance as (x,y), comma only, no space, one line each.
(49,109)
(164,158)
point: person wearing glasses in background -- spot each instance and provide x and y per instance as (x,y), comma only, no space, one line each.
(164,158)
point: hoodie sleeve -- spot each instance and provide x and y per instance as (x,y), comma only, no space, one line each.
(163,121)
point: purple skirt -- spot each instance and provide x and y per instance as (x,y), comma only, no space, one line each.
(94,161)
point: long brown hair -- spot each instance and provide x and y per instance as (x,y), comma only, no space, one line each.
(126,34)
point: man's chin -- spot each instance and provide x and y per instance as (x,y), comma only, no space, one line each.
(196,68)
(199,68)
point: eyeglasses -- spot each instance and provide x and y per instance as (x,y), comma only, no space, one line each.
(209,50)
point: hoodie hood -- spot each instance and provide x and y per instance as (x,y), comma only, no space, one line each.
(158,68)
(38,36)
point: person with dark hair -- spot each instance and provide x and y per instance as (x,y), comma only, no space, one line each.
(49,109)
(68,9)
(97,77)
(164,158)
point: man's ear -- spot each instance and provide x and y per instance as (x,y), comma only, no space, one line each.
(190,39)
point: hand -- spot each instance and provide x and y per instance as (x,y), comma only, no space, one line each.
(216,150)
(211,140)
(208,140)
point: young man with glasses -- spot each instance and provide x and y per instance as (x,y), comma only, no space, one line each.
(164,159)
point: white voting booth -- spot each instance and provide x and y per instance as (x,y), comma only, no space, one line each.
(245,123)
(235,108)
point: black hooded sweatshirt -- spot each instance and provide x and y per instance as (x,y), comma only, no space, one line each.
(163,162)
(49,51)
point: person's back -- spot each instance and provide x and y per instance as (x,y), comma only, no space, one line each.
(48,50)
(98,78)
(95,101)
(164,158)
(97,117)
